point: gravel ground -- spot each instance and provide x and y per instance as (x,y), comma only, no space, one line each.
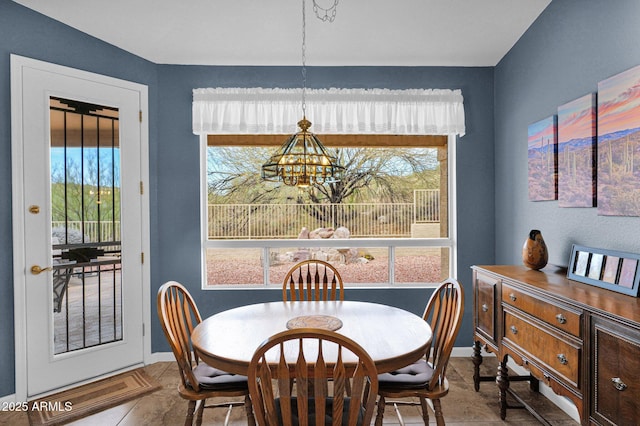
(409,269)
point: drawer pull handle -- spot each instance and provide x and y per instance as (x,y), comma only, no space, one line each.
(485,307)
(561,319)
(512,297)
(619,384)
(563,359)
(514,330)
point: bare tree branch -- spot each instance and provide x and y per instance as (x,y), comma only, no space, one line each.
(369,174)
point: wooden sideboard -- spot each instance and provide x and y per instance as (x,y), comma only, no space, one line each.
(581,341)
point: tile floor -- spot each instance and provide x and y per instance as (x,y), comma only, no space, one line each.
(463,406)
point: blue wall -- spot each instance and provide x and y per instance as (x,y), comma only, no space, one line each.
(174,159)
(178,156)
(572,46)
(26,33)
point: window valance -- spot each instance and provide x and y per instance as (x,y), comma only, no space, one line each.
(332,111)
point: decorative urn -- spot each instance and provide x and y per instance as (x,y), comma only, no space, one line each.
(534,251)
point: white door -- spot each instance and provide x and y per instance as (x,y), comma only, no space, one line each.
(78,234)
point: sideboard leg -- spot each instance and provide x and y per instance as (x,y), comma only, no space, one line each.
(477,361)
(502,380)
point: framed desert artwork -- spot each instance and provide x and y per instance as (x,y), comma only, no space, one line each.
(577,152)
(542,159)
(619,144)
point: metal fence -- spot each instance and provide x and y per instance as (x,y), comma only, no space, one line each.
(364,220)
(93,230)
(426,205)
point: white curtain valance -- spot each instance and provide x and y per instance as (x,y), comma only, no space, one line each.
(332,111)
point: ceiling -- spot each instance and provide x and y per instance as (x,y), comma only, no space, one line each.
(269,32)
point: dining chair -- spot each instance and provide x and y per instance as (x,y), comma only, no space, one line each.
(319,362)
(426,378)
(179,315)
(313,280)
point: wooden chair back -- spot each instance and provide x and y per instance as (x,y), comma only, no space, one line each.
(313,280)
(444,313)
(320,363)
(179,315)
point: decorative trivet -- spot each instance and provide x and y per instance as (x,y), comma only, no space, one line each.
(325,322)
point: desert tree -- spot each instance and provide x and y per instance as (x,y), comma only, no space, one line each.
(370,174)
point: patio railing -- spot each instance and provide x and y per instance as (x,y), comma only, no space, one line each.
(364,220)
(94,231)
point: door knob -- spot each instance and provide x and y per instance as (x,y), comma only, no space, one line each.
(35,269)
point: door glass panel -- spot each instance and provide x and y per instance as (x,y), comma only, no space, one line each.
(85,225)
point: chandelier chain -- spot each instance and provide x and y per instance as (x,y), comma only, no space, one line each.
(328,14)
(304,59)
(325,15)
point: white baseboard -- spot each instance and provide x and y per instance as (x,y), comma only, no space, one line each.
(461,352)
(161,357)
(456,353)
(7,399)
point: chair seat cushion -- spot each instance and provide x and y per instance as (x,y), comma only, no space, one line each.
(414,375)
(212,378)
(312,412)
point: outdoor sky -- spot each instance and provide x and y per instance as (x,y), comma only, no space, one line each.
(74,155)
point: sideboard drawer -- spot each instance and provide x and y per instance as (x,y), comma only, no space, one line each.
(553,314)
(544,347)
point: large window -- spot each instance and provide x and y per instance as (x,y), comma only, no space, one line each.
(387,223)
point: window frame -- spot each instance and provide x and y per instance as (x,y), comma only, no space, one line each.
(449,242)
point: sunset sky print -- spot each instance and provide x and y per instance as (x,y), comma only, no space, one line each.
(576,119)
(539,130)
(619,102)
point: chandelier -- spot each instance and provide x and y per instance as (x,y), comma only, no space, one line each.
(303,160)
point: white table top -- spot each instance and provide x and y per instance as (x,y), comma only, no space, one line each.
(392,337)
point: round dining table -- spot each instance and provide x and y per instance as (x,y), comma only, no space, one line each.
(393,337)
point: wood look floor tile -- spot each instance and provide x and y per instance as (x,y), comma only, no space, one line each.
(462,407)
